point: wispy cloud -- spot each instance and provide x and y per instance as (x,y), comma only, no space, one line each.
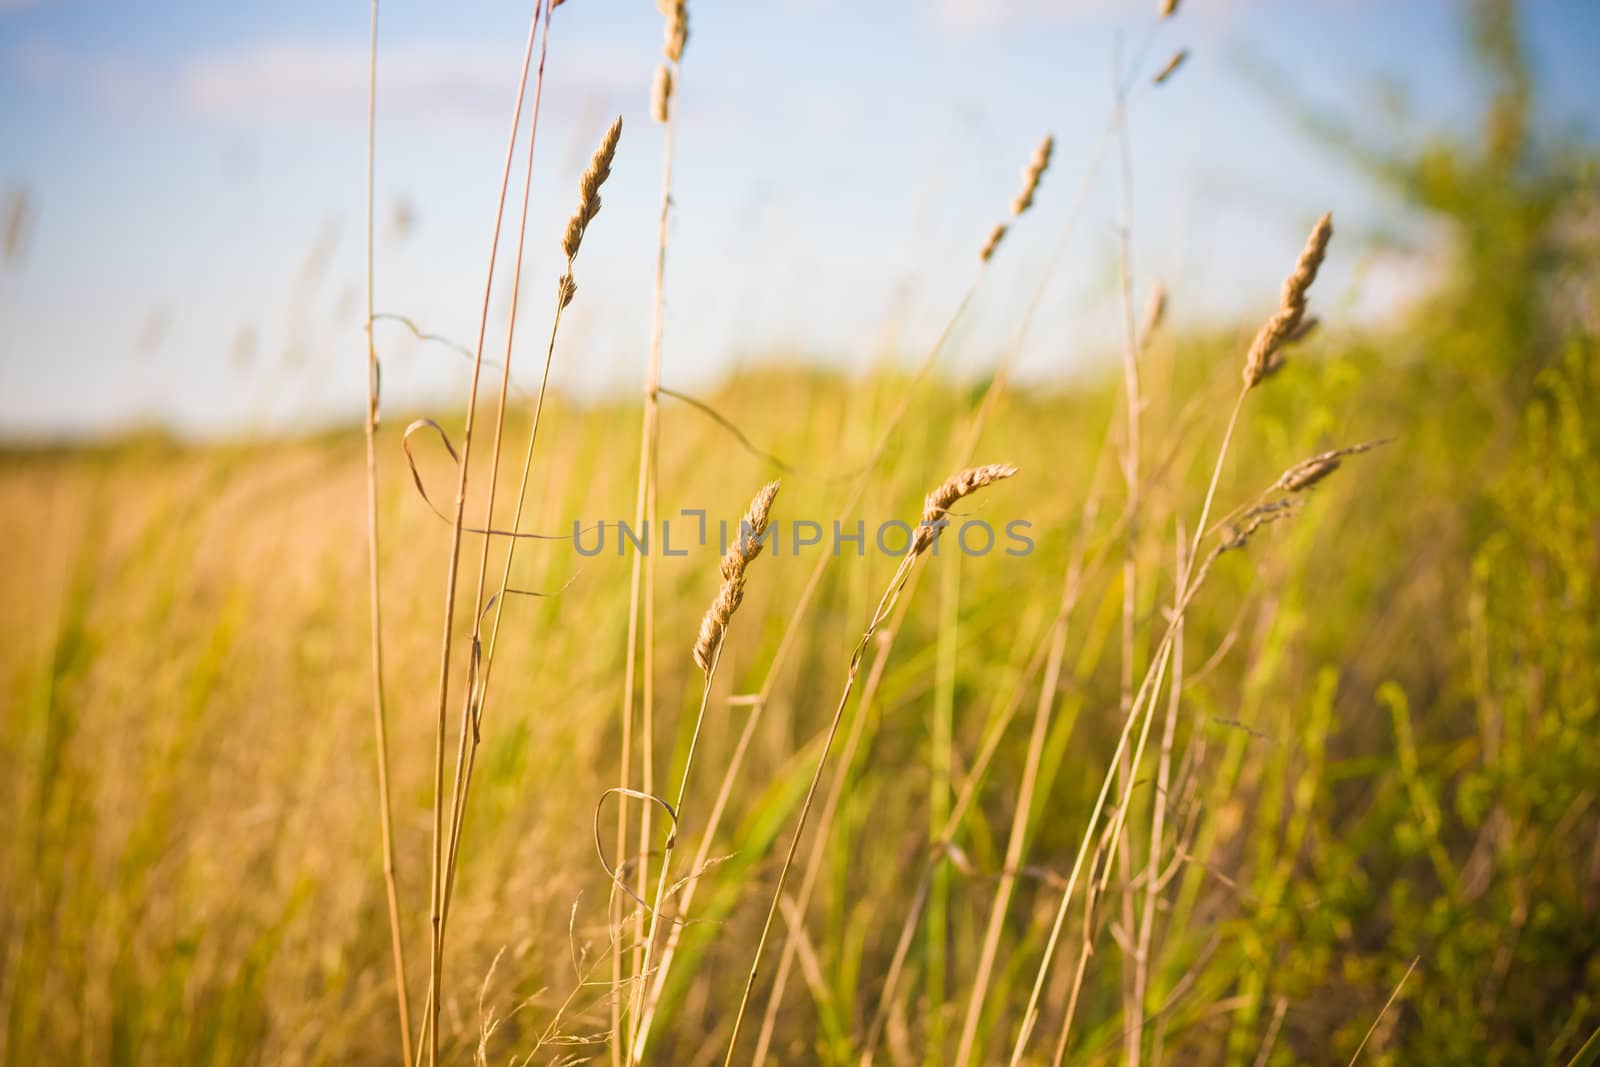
(966,16)
(298,81)
(305,81)
(112,84)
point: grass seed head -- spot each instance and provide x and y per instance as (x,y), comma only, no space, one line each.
(589,189)
(1292,308)
(936,505)
(993,242)
(1304,475)
(1308,472)
(677,12)
(661,94)
(1037,165)
(745,548)
(1172,66)
(1169,8)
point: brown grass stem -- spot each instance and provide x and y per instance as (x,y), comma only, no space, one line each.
(885,604)
(1152,884)
(436,895)
(786,644)
(1030,1015)
(1393,996)
(935,509)
(813,869)
(642,577)
(380,729)
(471,709)
(1056,645)
(747,545)
(1131,455)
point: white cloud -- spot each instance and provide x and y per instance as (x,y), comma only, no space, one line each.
(297,81)
(290,80)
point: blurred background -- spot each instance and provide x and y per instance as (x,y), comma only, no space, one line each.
(1370,796)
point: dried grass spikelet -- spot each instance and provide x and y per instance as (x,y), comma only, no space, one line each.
(993,242)
(936,505)
(677,12)
(1032,173)
(589,189)
(1308,472)
(1172,66)
(566,289)
(1169,8)
(1307,327)
(1037,165)
(1238,534)
(746,547)
(1291,311)
(661,94)
(1276,361)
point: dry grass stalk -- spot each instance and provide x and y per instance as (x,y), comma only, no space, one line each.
(707,652)
(640,655)
(935,507)
(986,405)
(476,696)
(801,899)
(1171,67)
(1131,463)
(1047,655)
(437,881)
(792,632)
(1155,676)
(374,591)
(745,548)
(1286,321)
(1157,843)
(1265,357)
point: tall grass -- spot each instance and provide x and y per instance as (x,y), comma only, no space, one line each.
(1309,781)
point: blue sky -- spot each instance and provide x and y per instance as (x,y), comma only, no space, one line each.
(195,171)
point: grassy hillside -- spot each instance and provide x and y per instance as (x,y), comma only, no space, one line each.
(1384,741)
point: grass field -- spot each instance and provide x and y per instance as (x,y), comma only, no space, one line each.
(1346,726)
